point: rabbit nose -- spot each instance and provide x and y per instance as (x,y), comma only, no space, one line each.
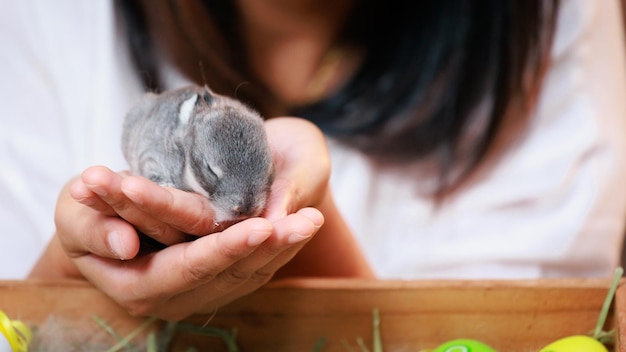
(241,214)
(245,209)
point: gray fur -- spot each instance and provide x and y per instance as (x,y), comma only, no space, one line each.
(223,148)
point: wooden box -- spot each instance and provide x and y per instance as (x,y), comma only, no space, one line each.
(296,315)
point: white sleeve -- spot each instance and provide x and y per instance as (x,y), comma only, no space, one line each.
(61,113)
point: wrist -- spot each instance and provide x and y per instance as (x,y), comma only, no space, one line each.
(54,263)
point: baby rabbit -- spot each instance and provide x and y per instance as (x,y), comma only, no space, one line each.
(195,140)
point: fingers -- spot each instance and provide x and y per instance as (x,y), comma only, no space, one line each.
(82,194)
(289,234)
(120,241)
(197,276)
(302,165)
(143,284)
(82,230)
(251,272)
(188,212)
(107,185)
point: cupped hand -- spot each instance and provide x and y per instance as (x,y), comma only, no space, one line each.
(302,171)
(183,278)
(302,165)
(99,214)
(201,275)
(114,206)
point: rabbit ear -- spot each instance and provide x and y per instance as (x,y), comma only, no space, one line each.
(186,108)
(208,95)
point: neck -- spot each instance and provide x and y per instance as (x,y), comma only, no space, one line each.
(287,41)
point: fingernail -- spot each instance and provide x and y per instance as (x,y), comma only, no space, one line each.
(297,237)
(257,238)
(114,240)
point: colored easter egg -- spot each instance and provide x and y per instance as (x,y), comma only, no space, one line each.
(577,343)
(464,345)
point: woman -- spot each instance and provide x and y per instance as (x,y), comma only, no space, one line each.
(463,139)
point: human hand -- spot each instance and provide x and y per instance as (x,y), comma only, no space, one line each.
(95,213)
(302,170)
(201,275)
(183,278)
(302,166)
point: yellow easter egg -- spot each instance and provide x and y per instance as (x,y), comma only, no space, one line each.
(577,343)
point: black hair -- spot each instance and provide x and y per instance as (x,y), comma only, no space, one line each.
(440,80)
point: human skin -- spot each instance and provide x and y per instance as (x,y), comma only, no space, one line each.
(98,212)
(96,241)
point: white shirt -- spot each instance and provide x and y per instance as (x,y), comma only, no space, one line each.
(66,85)
(554,207)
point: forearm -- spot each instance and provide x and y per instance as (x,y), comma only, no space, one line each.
(54,263)
(332,252)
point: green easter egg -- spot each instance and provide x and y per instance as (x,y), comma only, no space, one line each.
(577,343)
(464,345)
